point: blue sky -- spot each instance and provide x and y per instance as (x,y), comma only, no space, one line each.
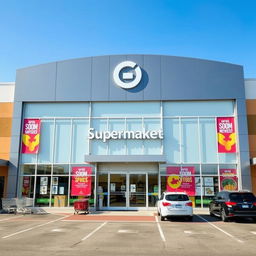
(39,31)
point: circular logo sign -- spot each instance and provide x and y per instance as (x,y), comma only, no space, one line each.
(127,74)
(174,181)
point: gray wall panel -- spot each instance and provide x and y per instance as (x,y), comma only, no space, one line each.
(137,92)
(74,80)
(241,107)
(11,184)
(100,78)
(115,92)
(16,127)
(36,83)
(242,124)
(184,78)
(152,66)
(243,142)
(17,109)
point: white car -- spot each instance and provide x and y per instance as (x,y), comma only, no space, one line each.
(175,204)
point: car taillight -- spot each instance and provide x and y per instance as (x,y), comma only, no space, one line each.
(254,203)
(189,204)
(166,204)
(230,203)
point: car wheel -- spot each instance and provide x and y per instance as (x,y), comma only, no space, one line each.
(224,216)
(162,218)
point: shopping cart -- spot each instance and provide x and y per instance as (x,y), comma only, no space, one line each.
(9,205)
(17,205)
(81,205)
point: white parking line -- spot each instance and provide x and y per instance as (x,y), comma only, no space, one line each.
(223,231)
(160,230)
(37,226)
(187,232)
(253,232)
(10,218)
(94,231)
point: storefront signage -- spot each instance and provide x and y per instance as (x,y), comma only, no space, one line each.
(81,181)
(228,179)
(127,74)
(31,136)
(125,135)
(226,135)
(181,179)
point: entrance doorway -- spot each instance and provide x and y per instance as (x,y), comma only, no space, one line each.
(122,190)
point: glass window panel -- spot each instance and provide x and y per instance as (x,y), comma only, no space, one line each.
(56,110)
(99,147)
(59,191)
(117,147)
(125,109)
(227,166)
(208,140)
(116,125)
(172,140)
(134,124)
(44,169)
(227,158)
(28,158)
(80,140)
(199,108)
(210,189)
(152,189)
(62,141)
(27,169)
(42,191)
(134,147)
(45,154)
(190,152)
(100,124)
(27,186)
(61,169)
(209,169)
(152,124)
(152,147)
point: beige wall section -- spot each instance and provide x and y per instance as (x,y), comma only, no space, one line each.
(6,110)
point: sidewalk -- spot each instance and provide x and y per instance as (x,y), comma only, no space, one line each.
(70,210)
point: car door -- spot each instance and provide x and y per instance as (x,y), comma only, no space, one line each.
(215,204)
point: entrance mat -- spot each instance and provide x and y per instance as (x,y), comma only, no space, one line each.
(111,218)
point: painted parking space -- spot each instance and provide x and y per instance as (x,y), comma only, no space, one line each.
(55,234)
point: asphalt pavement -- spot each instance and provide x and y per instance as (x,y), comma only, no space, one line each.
(124,234)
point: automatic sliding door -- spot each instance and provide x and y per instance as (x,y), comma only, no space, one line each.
(137,190)
(117,190)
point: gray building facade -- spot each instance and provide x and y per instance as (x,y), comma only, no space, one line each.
(167,84)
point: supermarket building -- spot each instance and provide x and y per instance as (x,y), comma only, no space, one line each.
(136,125)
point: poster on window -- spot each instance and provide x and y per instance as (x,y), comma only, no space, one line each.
(43,190)
(31,136)
(208,181)
(43,181)
(226,135)
(26,186)
(81,181)
(181,179)
(228,179)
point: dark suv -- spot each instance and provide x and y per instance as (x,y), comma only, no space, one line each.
(229,204)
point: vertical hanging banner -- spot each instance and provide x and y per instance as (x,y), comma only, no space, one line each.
(228,179)
(31,136)
(226,134)
(81,181)
(181,179)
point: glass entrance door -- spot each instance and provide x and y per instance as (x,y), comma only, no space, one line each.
(137,190)
(123,191)
(118,190)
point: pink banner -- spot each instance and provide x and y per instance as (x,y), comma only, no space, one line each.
(228,179)
(181,179)
(81,181)
(31,136)
(226,135)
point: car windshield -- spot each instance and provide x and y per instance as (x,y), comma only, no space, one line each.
(240,197)
(176,198)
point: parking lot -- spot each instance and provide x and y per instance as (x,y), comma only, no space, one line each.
(96,234)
